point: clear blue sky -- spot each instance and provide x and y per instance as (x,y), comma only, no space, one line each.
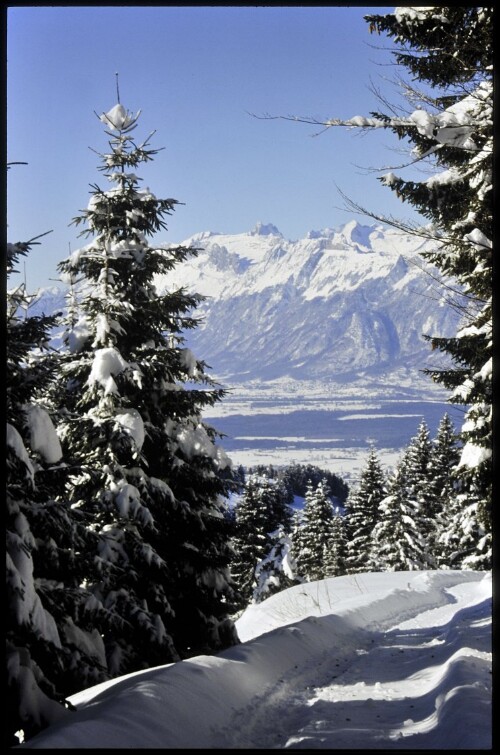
(196,73)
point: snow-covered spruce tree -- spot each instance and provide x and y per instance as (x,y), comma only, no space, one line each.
(448,121)
(397,541)
(313,539)
(362,514)
(443,490)
(279,511)
(250,538)
(450,50)
(261,512)
(457,530)
(276,571)
(419,494)
(335,554)
(145,467)
(49,654)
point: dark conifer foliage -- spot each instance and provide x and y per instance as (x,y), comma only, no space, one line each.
(313,539)
(297,477)
(51,651)
(336,552)
(276,570)
(362,514)
(449,51)
(398,543)
(145,469)
(406,514)
(443,491)
(263,518)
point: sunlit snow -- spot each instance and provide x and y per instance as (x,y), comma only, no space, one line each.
(43,436)
(107,362)
(397,660)
(131,421)
(118,118)
(15,442)
(473,456)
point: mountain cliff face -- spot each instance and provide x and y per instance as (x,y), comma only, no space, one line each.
(333,305)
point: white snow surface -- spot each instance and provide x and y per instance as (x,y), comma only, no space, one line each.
(247,263)
(132,422)
(15,441)
(43,436)
(393,660)
(118,118)
(332,305)
(107,362)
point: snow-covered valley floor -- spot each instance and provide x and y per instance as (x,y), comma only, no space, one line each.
(331,425)
(370,661)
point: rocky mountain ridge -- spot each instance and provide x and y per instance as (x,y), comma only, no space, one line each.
(340,303)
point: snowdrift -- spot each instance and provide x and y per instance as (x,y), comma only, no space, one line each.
(385,660)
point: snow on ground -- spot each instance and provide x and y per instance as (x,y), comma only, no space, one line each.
(369,661)
(328,424)
(347,463)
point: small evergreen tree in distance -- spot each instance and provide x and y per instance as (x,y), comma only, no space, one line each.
(145,467)
(251,536)
(335,554)
(276,571)
(263,519)
(362,514)
(397,543)
(313,539)
(419,494)
(443,490)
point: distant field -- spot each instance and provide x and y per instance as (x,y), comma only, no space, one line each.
(266,426)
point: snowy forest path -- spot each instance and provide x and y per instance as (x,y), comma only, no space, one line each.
(394,688)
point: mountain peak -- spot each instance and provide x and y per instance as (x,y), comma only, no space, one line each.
(358,234)
(324,233)
(353,287)
(265,229)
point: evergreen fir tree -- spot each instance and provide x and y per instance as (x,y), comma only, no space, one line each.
(145,468)
(397,541)
(313,539)
(335,554)
(263,518)
(448,53)
(419,494)
(277,500)
(450,50)
(49,652)
(443,489)
(276,571)
(362,514)
(251,540)
(458,529)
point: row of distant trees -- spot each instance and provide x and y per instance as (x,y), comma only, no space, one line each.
(118,550)
(408,519)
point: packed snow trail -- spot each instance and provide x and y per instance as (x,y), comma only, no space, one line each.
(392,660)
(417,671)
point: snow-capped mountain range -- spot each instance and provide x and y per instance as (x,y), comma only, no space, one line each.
(336,304)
